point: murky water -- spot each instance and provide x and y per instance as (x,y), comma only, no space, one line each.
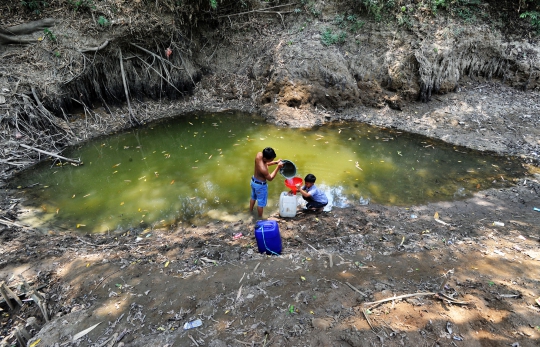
(198,166)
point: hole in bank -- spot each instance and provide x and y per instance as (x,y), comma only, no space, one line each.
(197,167)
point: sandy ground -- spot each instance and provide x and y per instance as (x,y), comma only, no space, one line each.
(450,277)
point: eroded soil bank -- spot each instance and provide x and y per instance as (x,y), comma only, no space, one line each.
(468,281)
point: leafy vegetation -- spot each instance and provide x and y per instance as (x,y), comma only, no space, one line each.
(350,23)
(376,8)
(532,12)
(387,8)
(82,5)
(102,21)
(329,38)
(34,5)
(534,19)
(49,35)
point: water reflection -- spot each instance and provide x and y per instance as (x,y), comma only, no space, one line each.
(198,166)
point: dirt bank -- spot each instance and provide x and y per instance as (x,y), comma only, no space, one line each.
(468,281)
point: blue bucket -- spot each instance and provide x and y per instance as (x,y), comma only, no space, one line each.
(268,237)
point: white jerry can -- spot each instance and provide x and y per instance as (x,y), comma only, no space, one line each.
(287,205)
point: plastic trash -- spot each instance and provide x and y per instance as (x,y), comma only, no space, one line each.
(498,224)
(536,209)
(237,236)
(193,324)
(413,216)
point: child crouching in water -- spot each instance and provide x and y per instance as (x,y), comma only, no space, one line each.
(316,199)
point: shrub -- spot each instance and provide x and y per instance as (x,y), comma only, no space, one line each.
(82,5)
(534,19)
(328,38)
(34,5)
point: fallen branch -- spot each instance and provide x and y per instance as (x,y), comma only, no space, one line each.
(24,163)
(76,161)
(192,339)
(6,293)
(206,260)
(9,223)
(368,320)
(435,295)
(452,300)
(375,303)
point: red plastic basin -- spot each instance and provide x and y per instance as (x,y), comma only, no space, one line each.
(292,182)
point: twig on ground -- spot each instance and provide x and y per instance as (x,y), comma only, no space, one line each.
(8,223)
(452,300)
(192,339)
(375,303)
(368,320)
(356,290)
(104,278)
(76,161)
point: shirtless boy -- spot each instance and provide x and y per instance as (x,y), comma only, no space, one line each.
(261,175)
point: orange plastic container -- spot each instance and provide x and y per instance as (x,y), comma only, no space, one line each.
(292,182)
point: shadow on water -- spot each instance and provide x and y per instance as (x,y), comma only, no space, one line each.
(197,167)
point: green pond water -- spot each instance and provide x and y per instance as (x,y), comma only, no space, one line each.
(197,167)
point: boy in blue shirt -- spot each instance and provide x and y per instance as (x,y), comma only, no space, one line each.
(316,199)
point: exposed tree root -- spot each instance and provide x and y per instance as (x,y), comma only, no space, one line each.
(11,34)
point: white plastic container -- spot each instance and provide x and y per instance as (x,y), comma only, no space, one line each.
(287,205)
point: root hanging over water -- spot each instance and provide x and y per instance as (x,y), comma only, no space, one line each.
(441,70)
